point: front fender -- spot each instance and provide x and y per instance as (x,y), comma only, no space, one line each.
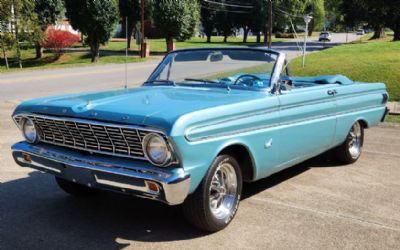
(197,157)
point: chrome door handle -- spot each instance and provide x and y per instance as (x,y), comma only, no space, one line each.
(332,92)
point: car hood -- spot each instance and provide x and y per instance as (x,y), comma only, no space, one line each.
(156,106)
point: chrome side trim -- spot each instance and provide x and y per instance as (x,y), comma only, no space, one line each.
(258,113)
(241,131)
(335,99)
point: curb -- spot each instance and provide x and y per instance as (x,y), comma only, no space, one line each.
(394,108)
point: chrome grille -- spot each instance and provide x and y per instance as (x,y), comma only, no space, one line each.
(91,136)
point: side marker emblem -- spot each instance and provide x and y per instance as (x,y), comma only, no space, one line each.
(268,144)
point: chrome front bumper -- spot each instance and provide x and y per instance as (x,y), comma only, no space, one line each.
(103,172)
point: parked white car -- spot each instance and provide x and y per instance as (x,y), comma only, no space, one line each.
(325,36)
(360,32)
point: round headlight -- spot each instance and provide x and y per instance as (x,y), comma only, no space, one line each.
(29,130)
(156,149)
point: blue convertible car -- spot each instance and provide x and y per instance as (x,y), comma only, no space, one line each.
(205,121)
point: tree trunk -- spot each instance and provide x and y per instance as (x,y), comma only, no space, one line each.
(123,28)
(208,38)
(396,30)
(266,34)
(245,34)
(38,49)
(129,38)
(170,44)
(82,40)
(225,38)
(379,32)
(17,39)
(258,37)
(311,27)
(4,53)
(94,48)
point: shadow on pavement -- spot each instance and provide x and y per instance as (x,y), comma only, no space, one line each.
(35,213)
(251,189)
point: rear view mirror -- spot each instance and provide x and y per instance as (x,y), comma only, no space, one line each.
(216,57)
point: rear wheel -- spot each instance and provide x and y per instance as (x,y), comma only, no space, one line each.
(215,202)
(351,149)
(75,188)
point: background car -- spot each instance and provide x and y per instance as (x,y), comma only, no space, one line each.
(360,32)
(325,36)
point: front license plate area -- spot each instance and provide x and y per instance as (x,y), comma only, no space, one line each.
(78,175)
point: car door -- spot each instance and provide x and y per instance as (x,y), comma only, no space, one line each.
(307,123)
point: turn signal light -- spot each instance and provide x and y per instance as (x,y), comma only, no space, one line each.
(26,157)
(153,186)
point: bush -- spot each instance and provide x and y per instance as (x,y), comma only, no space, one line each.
(57,40)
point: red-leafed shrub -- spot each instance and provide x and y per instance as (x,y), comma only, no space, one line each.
(56,40)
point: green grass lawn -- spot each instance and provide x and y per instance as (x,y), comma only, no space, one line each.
(159,45)
(364,62)
(112,52)
(393,118)
(49,60)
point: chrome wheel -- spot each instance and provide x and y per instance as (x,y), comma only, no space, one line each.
(355,140)
(223,191)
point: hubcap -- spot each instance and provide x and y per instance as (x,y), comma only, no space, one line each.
(355,141)
(223,191)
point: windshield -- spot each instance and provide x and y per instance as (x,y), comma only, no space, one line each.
(234,68)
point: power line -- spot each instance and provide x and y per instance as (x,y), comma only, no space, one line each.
(229,4)
(287,13)
(224,10)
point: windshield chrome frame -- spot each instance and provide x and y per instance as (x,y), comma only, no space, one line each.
(275,74)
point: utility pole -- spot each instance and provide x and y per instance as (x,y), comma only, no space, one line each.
(307,20)
(270,25)
(143,52)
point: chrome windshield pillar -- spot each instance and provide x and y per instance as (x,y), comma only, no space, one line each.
(276,74)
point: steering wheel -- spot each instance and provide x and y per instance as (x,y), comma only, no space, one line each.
(240,79)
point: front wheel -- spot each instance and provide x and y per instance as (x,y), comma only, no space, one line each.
(215,202)
(351,149)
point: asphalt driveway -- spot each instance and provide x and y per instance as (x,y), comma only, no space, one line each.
(315,205)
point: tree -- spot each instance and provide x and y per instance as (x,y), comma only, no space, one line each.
(22,23)
(176,18)
(259,18)
(288,10)
(6,39)
(193,21)
(130,10)
(394,18)
(373,12)
(95,19)
(317,10)
(208,19)
(47,12)
(225,22)
(333,15)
